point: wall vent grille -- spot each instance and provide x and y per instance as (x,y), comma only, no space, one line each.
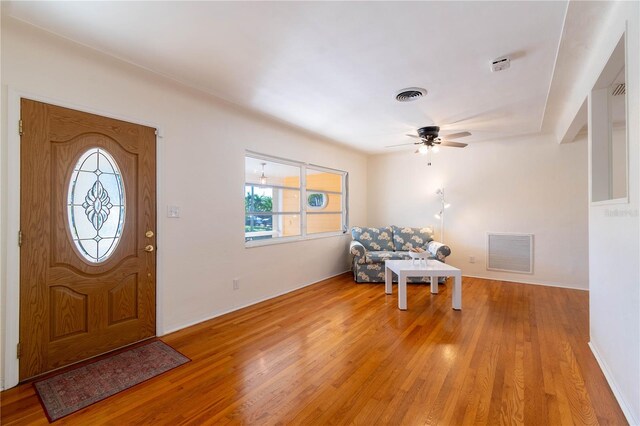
(620,89)
(510,252)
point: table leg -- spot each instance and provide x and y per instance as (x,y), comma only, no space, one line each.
(388,280)
(402,291)
(457,292)
(434,285)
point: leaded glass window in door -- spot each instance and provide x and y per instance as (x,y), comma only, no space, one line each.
(96,205)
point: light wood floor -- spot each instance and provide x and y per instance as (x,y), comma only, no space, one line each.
(339,352)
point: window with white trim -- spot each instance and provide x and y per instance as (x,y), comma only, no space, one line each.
(289,200)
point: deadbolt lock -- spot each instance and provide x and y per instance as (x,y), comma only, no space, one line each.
(149,234)
(149,248)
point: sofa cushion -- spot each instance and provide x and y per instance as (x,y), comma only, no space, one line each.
(375,239)
(405,239)
(381,256)
(438,250)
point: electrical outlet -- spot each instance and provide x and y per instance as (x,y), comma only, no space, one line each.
(472,259)
(236,283)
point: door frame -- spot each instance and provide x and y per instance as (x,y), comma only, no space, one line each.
(12,275)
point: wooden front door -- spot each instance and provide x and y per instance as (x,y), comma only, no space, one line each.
(88,223)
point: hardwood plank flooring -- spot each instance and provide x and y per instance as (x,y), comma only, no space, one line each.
(342,353)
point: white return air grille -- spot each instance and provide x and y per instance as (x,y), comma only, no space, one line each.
(510,252)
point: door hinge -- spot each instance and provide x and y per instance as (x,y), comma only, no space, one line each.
(19,238)
(18,350)
(20,127)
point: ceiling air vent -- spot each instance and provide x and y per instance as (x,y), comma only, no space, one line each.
(620,89)
(410,94)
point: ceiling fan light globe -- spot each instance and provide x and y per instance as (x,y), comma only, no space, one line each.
(423,149)
(435,149)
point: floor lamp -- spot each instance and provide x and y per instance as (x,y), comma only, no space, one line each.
(440,215)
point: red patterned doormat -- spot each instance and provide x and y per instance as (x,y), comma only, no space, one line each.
(73,390)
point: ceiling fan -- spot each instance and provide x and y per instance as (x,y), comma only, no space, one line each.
(429,141)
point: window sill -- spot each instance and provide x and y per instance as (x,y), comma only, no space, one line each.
(611,202)
(285,240)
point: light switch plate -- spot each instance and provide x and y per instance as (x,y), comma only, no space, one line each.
(173,211)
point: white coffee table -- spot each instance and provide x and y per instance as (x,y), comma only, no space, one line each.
(429,268)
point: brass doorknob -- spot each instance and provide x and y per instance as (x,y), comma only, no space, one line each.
(148,234)
(149,248)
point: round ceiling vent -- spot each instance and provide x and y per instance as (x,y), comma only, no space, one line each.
(410,94)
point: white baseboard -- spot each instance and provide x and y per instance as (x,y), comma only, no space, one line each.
(253,302)
(626,410)
(544,283)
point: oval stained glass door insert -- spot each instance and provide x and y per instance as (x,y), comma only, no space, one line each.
(96,205)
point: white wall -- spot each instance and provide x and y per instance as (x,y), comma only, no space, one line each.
(202,164)
(614,233)
(619,163)
(529,185)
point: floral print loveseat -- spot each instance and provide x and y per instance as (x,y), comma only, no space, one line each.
(372,246)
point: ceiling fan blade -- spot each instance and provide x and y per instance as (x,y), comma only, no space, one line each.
(400,144)
(453,144)
(413,136)
(457,135)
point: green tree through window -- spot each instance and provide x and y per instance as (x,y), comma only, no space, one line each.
(258,203)
(254,204)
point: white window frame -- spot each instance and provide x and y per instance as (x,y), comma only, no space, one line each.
(303,201)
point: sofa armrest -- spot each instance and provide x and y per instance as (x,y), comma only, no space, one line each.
(358,251)
(438,250)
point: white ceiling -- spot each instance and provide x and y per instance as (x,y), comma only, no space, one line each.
(333,68)
(584,23)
